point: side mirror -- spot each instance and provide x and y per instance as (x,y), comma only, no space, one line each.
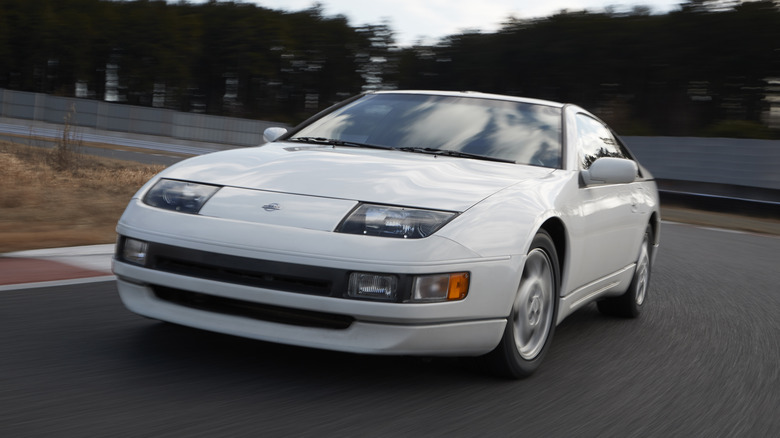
(273,134)
(609,170)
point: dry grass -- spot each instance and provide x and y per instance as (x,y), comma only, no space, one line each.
(43,205)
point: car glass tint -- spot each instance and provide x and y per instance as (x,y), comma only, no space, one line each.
(595,141)
(521,132)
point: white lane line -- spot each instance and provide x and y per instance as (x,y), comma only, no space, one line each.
(57,283)
(724,230)
(105,249)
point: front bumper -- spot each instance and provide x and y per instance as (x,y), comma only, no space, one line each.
(446,339)
(471,326)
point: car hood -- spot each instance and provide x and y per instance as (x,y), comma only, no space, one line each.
(359,174)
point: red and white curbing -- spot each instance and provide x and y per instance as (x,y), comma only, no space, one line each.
(55,267)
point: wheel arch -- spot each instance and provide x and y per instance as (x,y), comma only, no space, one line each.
(555,227)
(655,226)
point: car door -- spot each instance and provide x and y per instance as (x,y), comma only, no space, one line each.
(608,219)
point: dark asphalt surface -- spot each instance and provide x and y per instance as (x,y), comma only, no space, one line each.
(701,361)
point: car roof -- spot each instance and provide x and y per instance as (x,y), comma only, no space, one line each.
(473,94)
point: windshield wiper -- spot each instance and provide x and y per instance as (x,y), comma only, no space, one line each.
(335,142)
(451,153)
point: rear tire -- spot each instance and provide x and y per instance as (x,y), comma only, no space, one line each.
(531,322)
(629,305)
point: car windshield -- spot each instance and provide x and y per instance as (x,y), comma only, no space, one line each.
(524,133)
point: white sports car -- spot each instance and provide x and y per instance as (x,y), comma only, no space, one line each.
(404,223)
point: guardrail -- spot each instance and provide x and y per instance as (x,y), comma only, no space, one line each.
(723,174)
(132,119)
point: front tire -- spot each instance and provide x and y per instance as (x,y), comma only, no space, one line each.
(531,323)
(629,305)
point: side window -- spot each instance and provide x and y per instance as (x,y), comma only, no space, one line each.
(595,141)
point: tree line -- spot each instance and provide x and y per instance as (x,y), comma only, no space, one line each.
(711,67)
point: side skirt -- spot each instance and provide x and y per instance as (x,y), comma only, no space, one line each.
(609,285)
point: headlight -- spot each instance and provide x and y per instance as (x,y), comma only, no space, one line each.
(182,196)
(387,221)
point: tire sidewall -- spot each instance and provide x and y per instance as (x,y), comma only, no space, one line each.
(647,242)
(519,366)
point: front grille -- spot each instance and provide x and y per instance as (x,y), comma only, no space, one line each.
(267,274)
(248,309)
(257,277)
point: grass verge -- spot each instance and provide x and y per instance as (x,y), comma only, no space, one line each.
(44,204)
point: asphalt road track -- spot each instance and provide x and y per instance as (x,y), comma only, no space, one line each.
(702,361)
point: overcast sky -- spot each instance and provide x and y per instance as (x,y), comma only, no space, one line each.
(428,20)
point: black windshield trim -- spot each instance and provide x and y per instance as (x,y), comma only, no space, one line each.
(452,153)
(335,142)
